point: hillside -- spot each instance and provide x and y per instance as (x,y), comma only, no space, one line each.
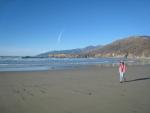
(135,46)
(69,53)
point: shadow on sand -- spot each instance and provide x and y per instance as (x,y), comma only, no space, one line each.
(139,79)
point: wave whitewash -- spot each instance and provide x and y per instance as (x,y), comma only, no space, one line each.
(35,64)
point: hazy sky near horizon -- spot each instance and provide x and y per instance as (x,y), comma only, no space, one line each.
(30,27)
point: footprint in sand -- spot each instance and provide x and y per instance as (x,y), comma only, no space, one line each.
(16,91)
(22,97)
(123,95)
(90,93)
(86,92)
(42,91)
(134,111)
(28,92)
(24,89)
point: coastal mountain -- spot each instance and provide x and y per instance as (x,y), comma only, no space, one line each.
(60,53)
(69,53)
(134,46)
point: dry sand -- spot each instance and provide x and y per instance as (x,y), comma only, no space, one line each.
(88,90)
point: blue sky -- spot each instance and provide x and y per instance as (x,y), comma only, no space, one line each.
(30,27)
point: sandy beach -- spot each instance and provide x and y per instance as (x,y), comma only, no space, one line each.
(84,90)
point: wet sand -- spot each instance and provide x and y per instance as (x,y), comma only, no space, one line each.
(86,90)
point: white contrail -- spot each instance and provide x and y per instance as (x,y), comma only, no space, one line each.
(59,37)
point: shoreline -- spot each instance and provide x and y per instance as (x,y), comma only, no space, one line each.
(60,64)
(72,67)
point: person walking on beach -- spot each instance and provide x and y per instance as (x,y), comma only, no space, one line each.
(122,70)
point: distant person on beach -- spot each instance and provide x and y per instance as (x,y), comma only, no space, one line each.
(122,70)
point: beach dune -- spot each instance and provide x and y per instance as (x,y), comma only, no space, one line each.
(85,90)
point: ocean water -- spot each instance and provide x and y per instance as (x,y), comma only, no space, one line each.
(35,64)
